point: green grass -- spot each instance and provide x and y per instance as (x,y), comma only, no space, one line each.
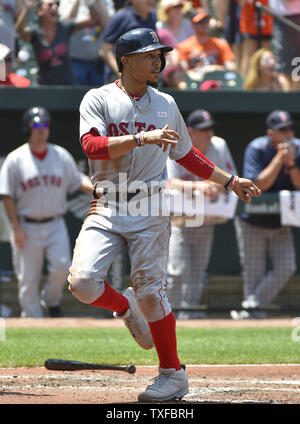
(31,346)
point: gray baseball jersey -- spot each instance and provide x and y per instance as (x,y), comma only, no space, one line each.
(112,113)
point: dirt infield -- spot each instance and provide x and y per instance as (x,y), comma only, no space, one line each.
(276,384)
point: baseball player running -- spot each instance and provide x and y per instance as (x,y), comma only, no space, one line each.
(128,129)
(35,179)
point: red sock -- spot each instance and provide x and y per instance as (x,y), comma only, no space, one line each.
(164,337)
(112,300)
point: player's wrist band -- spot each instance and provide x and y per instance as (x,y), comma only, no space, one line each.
(291,166)
(231,183)
(142,138)
(139,138)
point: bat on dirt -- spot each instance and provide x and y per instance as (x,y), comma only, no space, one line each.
(68,365)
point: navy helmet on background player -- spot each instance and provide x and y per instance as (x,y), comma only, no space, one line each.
(34,115)
(139,40)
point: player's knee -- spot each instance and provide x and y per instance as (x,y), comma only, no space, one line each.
(85,289)
(152,301)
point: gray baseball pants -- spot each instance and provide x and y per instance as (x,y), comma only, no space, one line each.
(47,240)
(99,243)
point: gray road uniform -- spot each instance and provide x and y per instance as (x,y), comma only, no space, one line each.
(106,231)
(190,248)
(39,189)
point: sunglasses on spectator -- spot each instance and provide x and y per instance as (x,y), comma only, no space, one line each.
(268,60)
(203,21)
(39,125)
(284,129)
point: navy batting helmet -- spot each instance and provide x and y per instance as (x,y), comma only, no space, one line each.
(34,115)
(139,40)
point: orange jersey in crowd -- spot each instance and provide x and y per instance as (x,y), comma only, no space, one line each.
(196,4)
(249,22)
(215,51)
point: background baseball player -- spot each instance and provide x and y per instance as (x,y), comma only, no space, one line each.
(190,248)
(128,129)
(273,161)
(35,179)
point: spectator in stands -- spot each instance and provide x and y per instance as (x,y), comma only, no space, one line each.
(9,12)
(210,7)
(190,247)
(228,13)
(87,65)
(254,36)
(7,77)
(286,40)
(50,40)
(203,53)
(180,27)
(262,74)
(136,14)
(273,163)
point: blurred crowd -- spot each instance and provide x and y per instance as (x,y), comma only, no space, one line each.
(218,44)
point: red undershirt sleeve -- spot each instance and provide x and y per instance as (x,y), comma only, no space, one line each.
(197,163)
(95,145)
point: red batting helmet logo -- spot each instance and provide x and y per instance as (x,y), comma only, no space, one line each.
(154,36)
